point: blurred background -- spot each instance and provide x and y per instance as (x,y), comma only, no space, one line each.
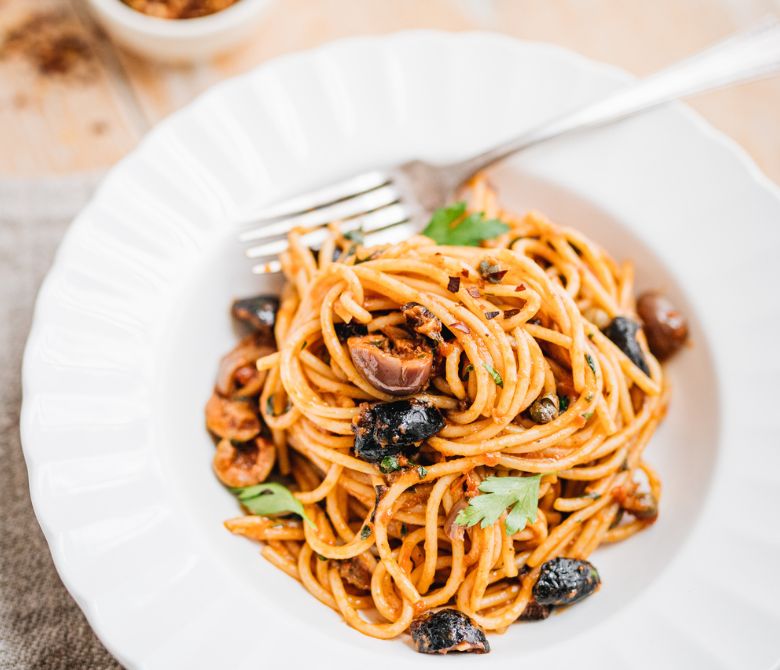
(73,103)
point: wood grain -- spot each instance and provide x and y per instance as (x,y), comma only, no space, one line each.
(62,125)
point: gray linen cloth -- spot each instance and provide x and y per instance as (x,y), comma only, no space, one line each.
(40,624)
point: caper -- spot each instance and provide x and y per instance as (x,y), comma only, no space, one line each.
(544,409)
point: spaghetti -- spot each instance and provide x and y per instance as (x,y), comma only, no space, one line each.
(526,379)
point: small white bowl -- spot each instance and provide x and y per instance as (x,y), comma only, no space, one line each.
(179,40)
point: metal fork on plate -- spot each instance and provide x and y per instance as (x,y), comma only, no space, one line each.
(400,198)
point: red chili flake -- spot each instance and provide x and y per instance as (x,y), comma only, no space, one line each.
(457,325)
(464,272)
(473,291)
(495,277)
(453,286)
(509,313)
(519,287)
(491,315)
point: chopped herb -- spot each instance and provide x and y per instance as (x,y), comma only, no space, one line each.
(509,313)
(421,472)
(491,315)
(500,493)
(365,532)
(519,287)
(453,285)
(468,368)
(355,235)
(563,403)
(321,557)
(404,530)
(303,346)
(389,464)
(590,336)
(494,373)
(593,495)
(589,397)
(269,405)
(450,225)
(591,362)
(587,415)
(270,499)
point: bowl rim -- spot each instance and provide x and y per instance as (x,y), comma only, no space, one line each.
(226,19)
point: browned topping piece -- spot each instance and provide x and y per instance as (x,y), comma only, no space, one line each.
(237,373)
(535,612)
(394,366)
(509,313)
(666,329)
(54,43)
(491,315)
(245,464)
(447,630)
(179,9)
(231,419)
(453,285)
(356,571)
(473,291)
(422,320)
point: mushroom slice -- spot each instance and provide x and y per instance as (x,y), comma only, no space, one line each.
(237,373)
(231,419)
(447,630)
(398,367)
(246,464)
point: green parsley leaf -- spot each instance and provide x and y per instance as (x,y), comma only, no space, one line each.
(303,346)
(271,499)
(563,403)
(389,464)
(421,472)
(587,415)
(519,493)
(591,362)
(450,225)
(404,530)
(355,235)
(321,557)
(269,405)
(365,532)
(494,373)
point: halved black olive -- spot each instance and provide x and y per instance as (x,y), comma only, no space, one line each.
(447,630)
(622,332)
(389,428)
(259,311)
(563,581)
(394,366)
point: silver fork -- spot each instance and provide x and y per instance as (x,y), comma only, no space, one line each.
(398,199)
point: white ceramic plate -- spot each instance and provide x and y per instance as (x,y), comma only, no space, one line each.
(134,315)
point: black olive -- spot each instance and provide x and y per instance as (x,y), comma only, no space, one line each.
(622,332)
(389,428)
(447,630)
(564,581)
(346,330)
(544,409)
(535,612)
(259,311)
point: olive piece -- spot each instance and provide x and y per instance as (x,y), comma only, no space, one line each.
(259,312)
(563,581)
(666,329)
(544,409)
(535,612)
(352,329)
(622,331)
(389,428)
(422,320)
(394,366)
(447,630)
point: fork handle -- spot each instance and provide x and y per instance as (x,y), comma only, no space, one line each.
(742,57)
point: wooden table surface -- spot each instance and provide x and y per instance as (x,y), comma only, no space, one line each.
(82,115)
